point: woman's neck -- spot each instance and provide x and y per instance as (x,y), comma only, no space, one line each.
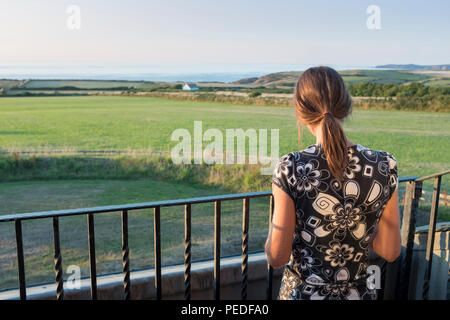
(318,134)
(348,142)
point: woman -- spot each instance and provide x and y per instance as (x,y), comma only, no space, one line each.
(333,200)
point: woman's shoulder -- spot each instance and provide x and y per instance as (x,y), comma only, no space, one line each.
(311,151)
(379,160)
(301,155)
(376,153)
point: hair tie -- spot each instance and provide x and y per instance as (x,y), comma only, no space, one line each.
(325,113)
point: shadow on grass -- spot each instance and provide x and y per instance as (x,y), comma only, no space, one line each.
(234,178)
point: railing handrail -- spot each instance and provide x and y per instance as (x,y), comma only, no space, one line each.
(132,206)
(442,173)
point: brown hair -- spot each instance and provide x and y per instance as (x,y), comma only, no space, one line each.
(321,97)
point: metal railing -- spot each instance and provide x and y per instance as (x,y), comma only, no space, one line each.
(412,196)
(156,206)
(413,193)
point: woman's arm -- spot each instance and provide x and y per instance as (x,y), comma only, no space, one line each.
(386,242)
(281,231)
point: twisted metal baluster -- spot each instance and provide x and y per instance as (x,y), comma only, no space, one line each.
(20,260)
(157,249)
(244,267)
(217,214)
(58,261)
(92,262)
(125,257)
(187,252)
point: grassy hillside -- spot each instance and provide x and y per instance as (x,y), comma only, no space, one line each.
(288,79)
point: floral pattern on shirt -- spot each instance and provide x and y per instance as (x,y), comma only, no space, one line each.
(335,220)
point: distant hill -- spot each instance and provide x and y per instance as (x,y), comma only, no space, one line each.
(278,79)
(246,80)
(443,67)
(289,78)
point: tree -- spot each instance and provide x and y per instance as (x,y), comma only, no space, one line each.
(254,94)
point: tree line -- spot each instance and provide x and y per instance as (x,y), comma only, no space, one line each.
(414,89)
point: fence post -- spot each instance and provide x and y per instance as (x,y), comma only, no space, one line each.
(431,231)
(412,195)
(217,215)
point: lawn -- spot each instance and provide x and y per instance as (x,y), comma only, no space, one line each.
(419,140)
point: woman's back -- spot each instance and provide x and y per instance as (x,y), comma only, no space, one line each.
(335,220)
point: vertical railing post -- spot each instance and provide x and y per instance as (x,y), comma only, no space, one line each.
(431,231)
(57,259)
(125,257)
(217,213)
(20,260)
(244,267)
(92,263)
(413,193)
(187,251)
(157,249)
(269,267)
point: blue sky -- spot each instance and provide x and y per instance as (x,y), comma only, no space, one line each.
(244,31)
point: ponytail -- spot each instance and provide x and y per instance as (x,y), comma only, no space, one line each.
(321,98)
(334,145)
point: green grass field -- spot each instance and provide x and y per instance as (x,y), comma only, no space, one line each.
(437,82)
(419,140)
(88,84)
(382,76)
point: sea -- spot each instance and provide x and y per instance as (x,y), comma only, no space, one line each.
(192,72)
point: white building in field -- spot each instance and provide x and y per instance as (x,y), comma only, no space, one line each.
(190,87)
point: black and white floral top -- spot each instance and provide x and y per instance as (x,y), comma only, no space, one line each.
(334,221)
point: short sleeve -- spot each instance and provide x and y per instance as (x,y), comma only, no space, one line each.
(283,174)
(393,174)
